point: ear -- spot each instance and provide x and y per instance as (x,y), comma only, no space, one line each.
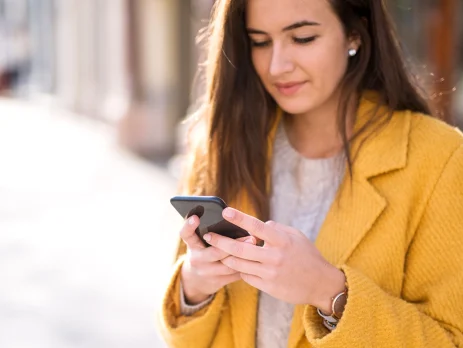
(354,41)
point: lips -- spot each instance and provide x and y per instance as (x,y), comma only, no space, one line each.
(289,88)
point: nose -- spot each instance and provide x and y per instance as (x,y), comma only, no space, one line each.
(281,62)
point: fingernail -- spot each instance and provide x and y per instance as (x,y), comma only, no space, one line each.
(207,237)
(191,221)
(229,213)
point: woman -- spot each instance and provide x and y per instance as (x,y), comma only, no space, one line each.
(311,120)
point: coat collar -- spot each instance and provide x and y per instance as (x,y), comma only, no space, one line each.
(384,147)
(356,208)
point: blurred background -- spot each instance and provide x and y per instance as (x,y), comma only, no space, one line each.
(92,93)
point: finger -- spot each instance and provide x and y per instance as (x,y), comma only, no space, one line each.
(236,248)
(244,266)
(188,234)
(254,226)
(281,227)
(212,254)
(250,240)
(215,269)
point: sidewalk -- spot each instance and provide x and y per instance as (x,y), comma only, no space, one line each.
(86,234)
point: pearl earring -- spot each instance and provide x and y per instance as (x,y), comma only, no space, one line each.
(352,52)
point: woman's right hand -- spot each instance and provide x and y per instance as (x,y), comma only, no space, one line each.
(202,272)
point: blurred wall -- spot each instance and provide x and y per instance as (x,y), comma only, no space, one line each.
(160,68)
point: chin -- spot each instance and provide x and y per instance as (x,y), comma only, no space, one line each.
(296,107)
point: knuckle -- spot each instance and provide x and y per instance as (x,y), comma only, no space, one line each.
(226,261)
(239,218)
(272,274)
(220,243)
(201,273)
(211,254)
(286,242)
(238,248)
(195,259)
(270,223)
(278,259)
(191,240)
(184,232)
(188,228)
(217,254)
(257,225)
(234,263)
(231,262)
(214,240)
(225,270)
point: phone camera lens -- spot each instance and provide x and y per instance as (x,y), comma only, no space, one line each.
(198,211)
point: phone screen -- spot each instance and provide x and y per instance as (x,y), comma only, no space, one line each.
(209,211)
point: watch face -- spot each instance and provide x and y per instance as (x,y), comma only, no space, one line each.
(339,304)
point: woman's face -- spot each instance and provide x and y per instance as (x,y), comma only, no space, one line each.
(299,51)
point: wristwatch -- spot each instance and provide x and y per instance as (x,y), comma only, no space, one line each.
(337,308)
(338,305)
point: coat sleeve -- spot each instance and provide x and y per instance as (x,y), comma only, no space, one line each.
(179,330)
(429,312)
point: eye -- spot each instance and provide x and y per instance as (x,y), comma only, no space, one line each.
(260,43)
(304,40)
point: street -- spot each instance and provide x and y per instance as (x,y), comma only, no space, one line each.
(86,234)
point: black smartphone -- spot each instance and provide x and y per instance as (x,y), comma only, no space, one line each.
(209,211)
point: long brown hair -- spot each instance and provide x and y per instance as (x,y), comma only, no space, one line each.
(237,113)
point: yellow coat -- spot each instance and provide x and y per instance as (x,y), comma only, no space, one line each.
(396,231)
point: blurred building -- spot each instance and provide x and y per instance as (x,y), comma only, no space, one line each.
(432,36)
(121,61)
(15,52)
(132,62)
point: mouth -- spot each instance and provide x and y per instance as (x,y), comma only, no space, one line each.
(289,88)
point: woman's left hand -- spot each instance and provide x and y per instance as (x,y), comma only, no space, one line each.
(288,267)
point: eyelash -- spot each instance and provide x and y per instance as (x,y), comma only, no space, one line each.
(300,41)
(304,40)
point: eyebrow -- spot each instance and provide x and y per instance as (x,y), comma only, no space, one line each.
(289,27)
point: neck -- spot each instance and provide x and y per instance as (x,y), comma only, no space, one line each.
(315,134)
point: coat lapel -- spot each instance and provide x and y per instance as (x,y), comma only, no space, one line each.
(358,204)
(351,216)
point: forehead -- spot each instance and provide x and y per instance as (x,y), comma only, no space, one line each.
(276,14)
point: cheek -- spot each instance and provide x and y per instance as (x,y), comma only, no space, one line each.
(327,65)
(334,62)
(260,62)
(335,71)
